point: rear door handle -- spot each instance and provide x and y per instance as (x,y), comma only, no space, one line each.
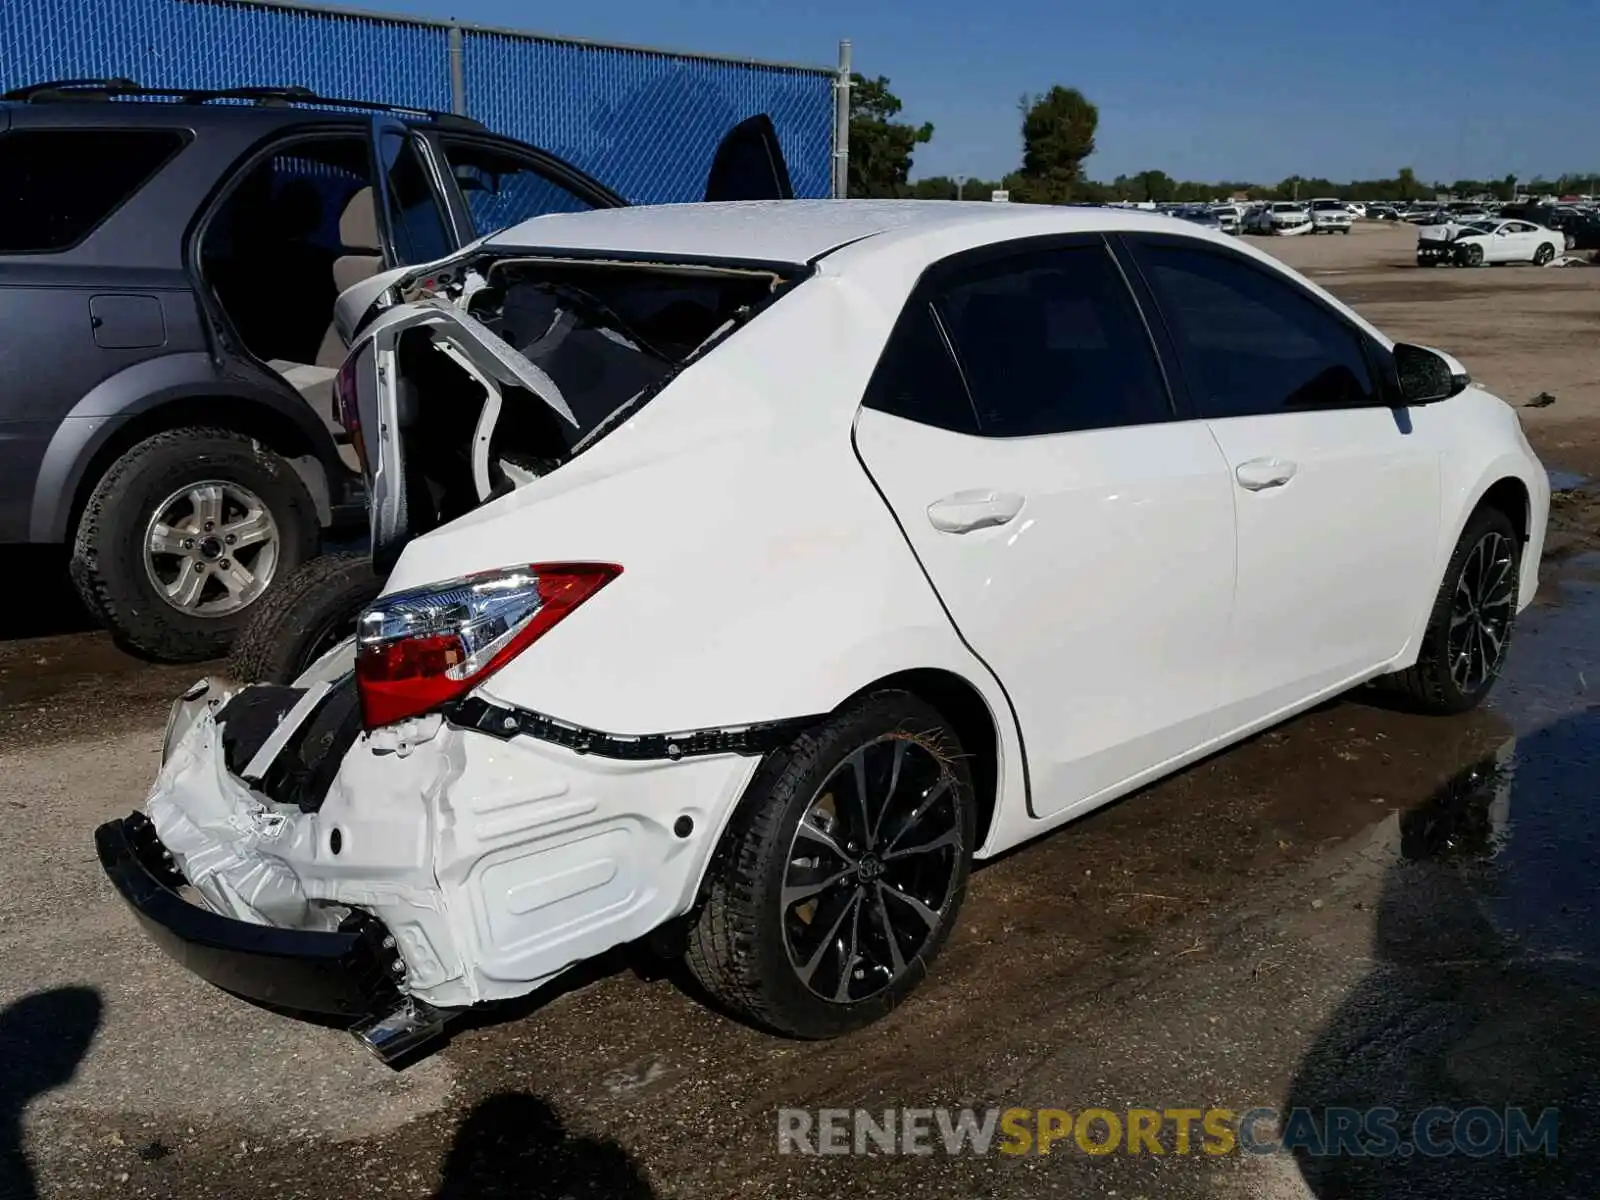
(962,512)
(1261,473)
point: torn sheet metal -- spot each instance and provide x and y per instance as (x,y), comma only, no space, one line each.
(223,837)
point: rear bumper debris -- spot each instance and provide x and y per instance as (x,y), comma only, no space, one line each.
(352,971)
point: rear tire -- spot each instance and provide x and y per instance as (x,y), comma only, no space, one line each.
(190,485)
(882,880)
(1544,254)
(1471,622)
(310,613)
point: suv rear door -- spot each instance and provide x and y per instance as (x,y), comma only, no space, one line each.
(499,183)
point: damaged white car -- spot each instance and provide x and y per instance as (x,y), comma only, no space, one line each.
(754,568)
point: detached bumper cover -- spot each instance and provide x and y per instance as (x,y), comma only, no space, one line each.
(347,973)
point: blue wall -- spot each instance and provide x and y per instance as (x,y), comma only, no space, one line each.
(645,122)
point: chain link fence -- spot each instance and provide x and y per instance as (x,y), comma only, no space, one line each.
(644,121)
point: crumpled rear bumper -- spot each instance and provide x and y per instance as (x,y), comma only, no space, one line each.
(350,972)
(487,865)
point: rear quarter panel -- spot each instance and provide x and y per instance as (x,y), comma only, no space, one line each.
(763,576)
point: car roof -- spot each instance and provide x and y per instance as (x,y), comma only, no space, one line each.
(798,232)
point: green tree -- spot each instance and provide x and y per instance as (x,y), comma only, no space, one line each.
(880,146)
(1408,188)
(1155,186)
(1057,135)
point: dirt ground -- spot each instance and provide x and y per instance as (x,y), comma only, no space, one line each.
(1359,908)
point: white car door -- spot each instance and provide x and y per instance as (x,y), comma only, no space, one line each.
(1079,536)
(1522,239)
(1337,494)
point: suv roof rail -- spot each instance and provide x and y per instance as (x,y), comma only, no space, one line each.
(58,90)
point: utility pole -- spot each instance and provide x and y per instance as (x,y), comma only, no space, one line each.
(841,125)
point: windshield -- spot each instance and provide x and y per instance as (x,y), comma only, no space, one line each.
(1287,206)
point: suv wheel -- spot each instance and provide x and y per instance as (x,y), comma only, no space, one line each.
(307,614)
(183,534)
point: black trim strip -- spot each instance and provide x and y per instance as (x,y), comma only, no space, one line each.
(506,722)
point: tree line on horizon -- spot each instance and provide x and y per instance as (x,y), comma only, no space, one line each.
(1058,135)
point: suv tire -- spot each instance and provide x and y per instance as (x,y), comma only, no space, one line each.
(204,481)
(303,617)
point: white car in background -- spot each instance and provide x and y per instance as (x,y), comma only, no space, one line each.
(1329,216)
(1489,242)
(754,568)
(1283,217)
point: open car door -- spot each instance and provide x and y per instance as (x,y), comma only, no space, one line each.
(749,164)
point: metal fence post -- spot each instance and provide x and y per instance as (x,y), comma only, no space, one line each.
(458,72)
(841,125)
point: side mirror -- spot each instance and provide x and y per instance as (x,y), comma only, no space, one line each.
(1427,376)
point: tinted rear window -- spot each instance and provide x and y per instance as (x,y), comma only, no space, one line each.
(56,185)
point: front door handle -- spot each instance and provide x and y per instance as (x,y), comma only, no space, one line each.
(962,512)
(1261,473)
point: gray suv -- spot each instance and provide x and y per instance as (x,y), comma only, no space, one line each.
(168,270)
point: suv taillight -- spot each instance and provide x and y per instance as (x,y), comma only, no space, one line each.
(346,403)
(418,649)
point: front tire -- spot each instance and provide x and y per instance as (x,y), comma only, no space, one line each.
(1471,623)
(841,873)
(183,534)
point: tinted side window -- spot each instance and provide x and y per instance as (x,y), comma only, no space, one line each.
(1252,344)
(56,185)
(502,189)
(1052,343)
(415,222)
(917,379)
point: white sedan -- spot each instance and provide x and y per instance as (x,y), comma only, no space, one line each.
(755,568)
(1505,241)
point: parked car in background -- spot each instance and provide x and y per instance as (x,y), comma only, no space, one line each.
(1228,219)
(1382,212)
(1329,216)
(1197,214)
(1579,225)
(1284,218)
(599,702)
(1493,242)
(168,271)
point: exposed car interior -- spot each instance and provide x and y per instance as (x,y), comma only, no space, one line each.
(607,338)
(302,224)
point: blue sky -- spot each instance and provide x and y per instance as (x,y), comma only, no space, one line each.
(1202,89)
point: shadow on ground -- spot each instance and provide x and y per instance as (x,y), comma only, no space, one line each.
(513,1146)
(45,603)
(43,1038)
(1486,989)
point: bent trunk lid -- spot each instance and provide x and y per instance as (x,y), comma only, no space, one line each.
(485,371)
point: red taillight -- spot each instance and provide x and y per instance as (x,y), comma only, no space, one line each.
(418,649)
(347,404)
